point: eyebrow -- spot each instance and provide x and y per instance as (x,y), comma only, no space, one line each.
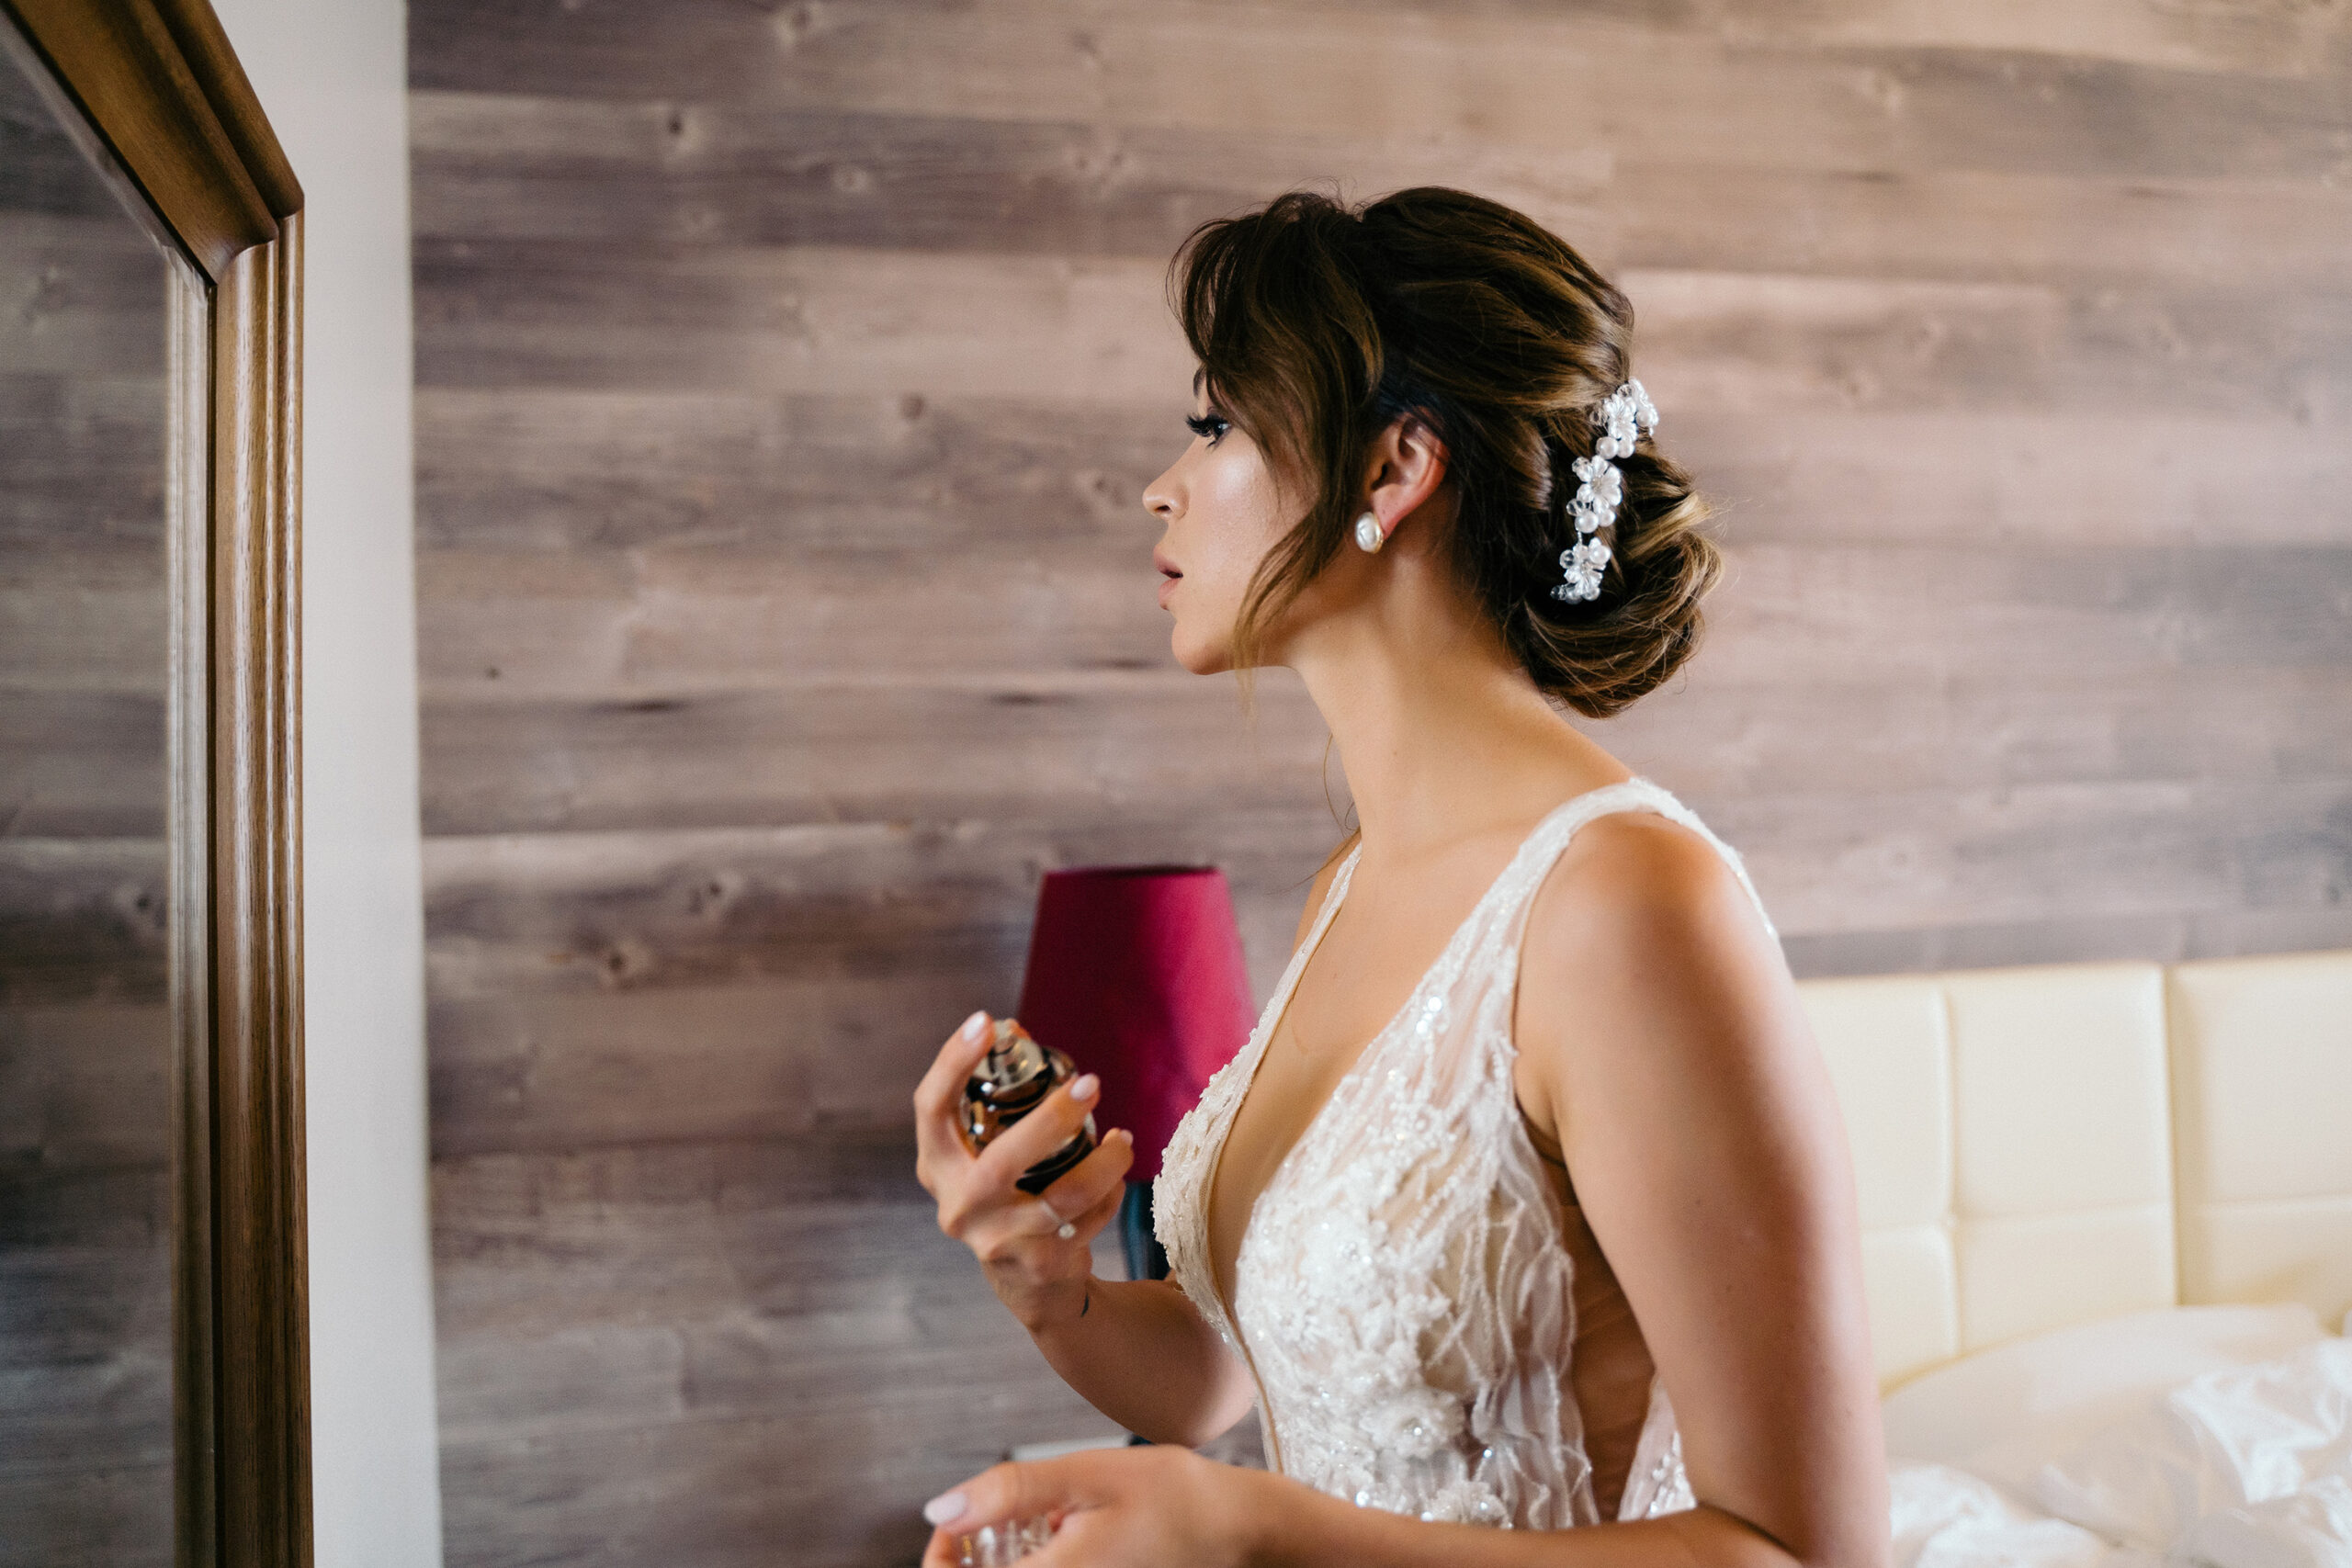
(1203,370)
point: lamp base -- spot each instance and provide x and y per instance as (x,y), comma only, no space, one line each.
(1146,1259)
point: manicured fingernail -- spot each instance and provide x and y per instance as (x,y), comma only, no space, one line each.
(1122,1133)
(972,1024)
(1085,1087)
(940,1510)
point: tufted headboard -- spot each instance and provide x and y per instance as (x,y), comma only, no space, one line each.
(2041,1146)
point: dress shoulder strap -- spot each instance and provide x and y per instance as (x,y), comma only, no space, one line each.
(1632,795)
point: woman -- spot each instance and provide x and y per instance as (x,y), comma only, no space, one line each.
(1528,1204)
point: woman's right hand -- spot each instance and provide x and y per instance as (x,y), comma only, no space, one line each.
(1036,1271)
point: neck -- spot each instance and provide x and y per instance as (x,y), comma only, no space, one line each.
(1442,735)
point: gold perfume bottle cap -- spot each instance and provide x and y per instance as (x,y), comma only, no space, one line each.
(1007,1084)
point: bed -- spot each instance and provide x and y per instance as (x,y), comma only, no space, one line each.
(2106,1217)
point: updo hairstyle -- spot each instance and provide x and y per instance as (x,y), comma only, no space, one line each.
(1316,324)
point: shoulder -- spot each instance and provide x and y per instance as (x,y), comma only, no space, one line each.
(1643,951)
(1628,882)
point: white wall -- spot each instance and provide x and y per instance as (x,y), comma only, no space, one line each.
(332,75)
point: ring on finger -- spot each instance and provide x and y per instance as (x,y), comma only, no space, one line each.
(1063,1228)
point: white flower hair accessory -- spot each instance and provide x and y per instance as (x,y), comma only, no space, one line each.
(1624,416)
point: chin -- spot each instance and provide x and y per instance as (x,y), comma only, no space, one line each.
(1197,659)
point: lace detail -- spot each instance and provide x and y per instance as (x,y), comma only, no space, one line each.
(1668,1483)
(1403,1287)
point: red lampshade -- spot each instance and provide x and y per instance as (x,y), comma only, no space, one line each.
(1137,973)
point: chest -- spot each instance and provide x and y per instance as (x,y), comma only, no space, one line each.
(1371,958)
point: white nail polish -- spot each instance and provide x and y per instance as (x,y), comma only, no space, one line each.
(946,1507)
(972,1024)
(1083,1089)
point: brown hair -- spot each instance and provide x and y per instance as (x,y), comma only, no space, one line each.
(1316,324)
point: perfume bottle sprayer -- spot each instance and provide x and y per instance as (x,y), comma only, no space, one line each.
(1007,1084)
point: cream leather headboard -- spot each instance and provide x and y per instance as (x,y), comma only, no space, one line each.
(2012,1147)
(2262,1088)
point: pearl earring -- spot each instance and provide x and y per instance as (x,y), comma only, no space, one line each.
(1369,538)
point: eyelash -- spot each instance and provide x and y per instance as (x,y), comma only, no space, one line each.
(1206,425)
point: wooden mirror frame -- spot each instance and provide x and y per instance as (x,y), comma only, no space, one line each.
(158,86)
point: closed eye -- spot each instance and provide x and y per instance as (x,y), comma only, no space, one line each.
(1206,425)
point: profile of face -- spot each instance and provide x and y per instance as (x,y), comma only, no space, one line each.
(1221,508)
(1224,506)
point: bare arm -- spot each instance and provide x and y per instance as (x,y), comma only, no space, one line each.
(1138,1351)
(1143,1356)
(1661,1039)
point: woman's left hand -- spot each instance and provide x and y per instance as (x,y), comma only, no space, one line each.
(1133,1507)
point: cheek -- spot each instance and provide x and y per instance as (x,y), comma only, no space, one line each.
(1236,498)
(1230,479)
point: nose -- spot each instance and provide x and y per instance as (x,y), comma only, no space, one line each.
(1161,497)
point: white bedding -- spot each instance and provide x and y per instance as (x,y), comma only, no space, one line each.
(2193,1438)
(1946,1518)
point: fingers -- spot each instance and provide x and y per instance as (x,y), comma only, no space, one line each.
(1105,1209)
(1013,1491)
(942,1084)
(995,1496)
(939,1097)
(980,1203)
(1098,1179)
(1077,1230)
(1057,1118)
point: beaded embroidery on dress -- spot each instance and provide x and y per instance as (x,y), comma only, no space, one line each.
(1403,1290)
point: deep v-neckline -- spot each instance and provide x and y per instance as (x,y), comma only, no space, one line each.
(1332,899)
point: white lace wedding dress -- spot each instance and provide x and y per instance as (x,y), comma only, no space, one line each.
(1404,1294)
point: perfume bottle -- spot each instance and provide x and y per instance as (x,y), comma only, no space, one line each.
(993,1546)
(1011,1081)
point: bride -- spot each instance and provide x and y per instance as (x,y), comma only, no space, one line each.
(1527,1203)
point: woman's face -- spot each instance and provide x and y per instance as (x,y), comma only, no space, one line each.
(1221,511)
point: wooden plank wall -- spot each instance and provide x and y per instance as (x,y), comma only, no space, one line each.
(787,377)
(85,1039)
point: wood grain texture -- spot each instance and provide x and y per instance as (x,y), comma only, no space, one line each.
(85,294)
(164,95)
(86,1044)
(652,1299)
(787,379)
(705,623)
(785,757)
(1486,71)
(645,910)
(83,920)
(260,1313)
(562,480)
(809,320)
(81,764)
(715,1273)
(154,89)
(81,461)
(650,171)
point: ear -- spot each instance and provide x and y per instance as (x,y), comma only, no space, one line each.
(1406,467)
